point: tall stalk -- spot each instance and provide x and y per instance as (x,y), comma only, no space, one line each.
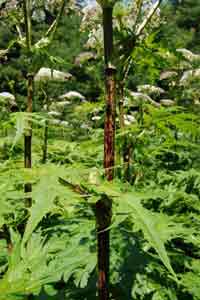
(28,134)
(28,138)
(104,206)
(126,144)
(127,147)
(27,6)
(121,105)
(45,145)
(46,128)
(110,85)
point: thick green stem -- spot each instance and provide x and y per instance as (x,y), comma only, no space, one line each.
(104,206)
(28,138)
(28,134)
(121,105)
(45,146)
(46,125)
(126,145)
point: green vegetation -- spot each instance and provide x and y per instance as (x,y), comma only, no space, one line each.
(109,207)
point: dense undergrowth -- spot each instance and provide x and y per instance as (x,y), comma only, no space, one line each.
(154,231)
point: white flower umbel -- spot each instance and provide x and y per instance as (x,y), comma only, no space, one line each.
(150,89)
(167,102)
(189,55)
(47,74)
(189,76)
(72,95)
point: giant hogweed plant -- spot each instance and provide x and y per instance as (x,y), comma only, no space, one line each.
(66,196)
(155,213)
